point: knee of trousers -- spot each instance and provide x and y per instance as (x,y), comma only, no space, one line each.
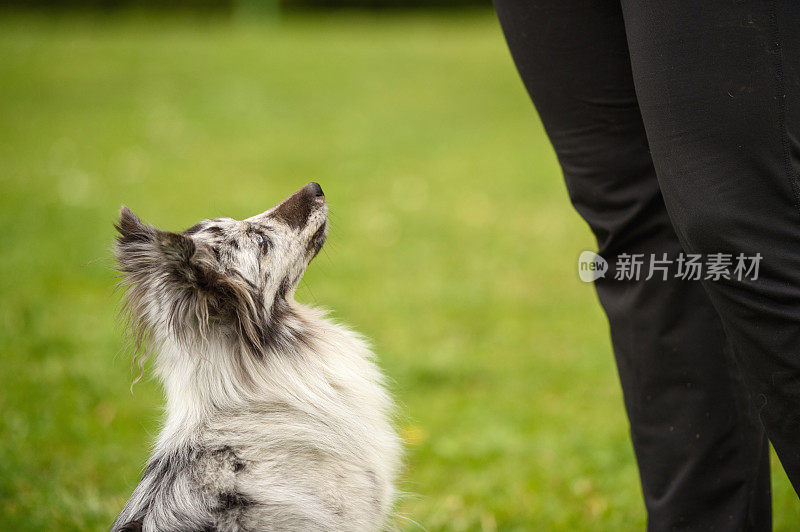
(707,228)
(612,184)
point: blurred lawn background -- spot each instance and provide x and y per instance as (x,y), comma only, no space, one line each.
(453,246)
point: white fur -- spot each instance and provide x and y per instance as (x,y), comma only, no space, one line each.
(298,439)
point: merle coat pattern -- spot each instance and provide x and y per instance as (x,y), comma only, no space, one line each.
(276,417)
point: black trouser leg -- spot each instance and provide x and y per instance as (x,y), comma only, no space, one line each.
(703,457)
(718,85)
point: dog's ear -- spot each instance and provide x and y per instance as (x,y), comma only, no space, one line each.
(135,247)
(146,254)
(132,230)
(173,281)
(173,261)
(161,269)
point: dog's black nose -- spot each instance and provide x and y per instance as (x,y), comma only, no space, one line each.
(316,189)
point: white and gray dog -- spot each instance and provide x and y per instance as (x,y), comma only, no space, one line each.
(277,418)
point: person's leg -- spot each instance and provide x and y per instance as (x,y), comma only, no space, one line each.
(719,88)
(703,459)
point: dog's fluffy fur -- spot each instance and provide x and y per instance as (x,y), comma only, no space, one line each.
(277,418)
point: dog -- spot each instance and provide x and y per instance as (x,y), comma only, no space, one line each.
(277,418)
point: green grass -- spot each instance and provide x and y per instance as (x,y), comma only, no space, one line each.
(453,246)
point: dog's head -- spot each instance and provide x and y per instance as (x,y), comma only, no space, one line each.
(223,277)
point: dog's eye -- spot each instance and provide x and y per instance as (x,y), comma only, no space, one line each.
(264,243)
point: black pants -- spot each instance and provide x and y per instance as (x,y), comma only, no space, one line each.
(676,127)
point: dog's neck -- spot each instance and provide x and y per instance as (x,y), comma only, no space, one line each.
(215,374)
(196,380)
(331,374)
